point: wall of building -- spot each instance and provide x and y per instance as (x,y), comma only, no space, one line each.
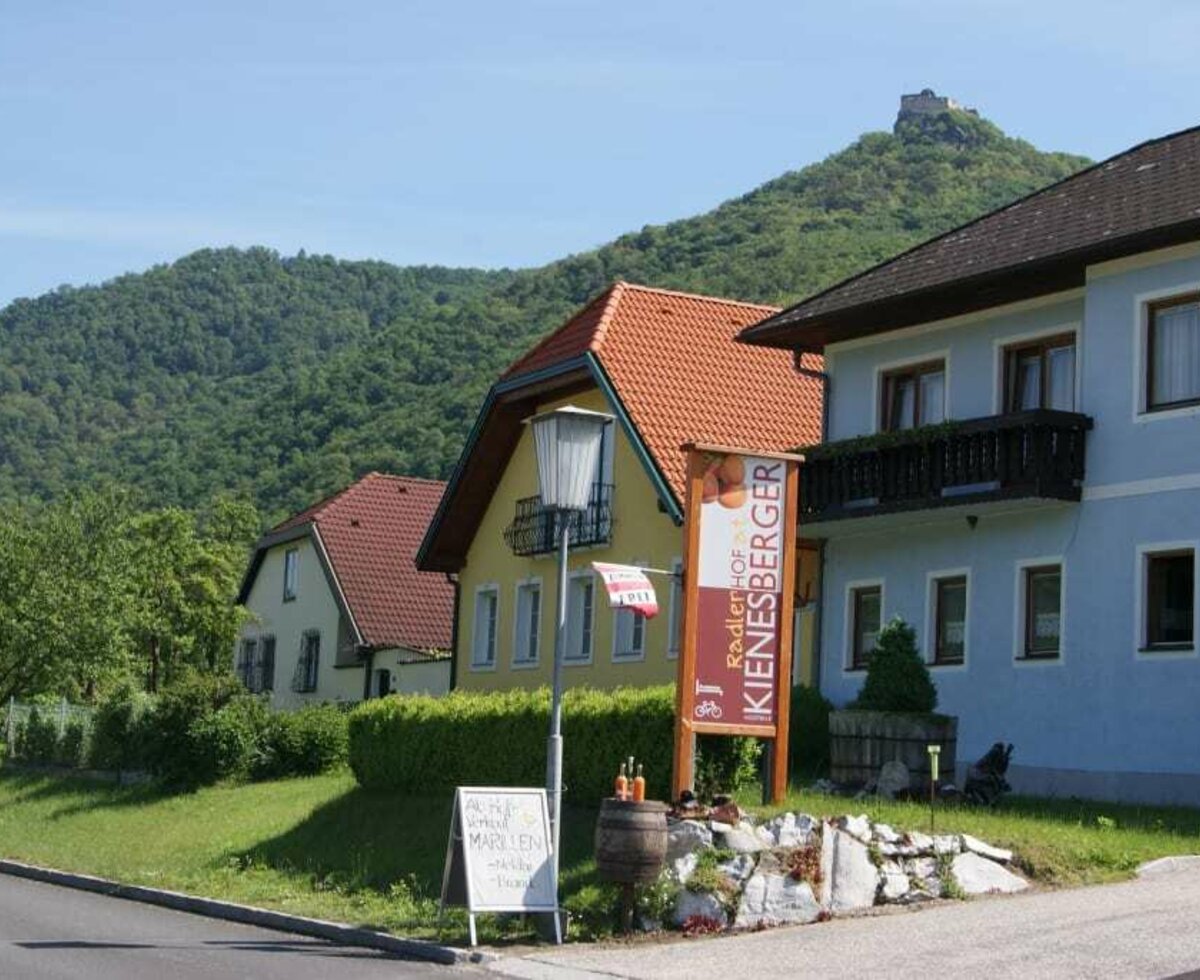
(314,608)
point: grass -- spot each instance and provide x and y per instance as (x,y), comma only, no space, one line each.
(321,846)
(1056,842)
(325,847)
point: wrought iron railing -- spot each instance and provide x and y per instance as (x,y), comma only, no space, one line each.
(1025,454)
(533,530)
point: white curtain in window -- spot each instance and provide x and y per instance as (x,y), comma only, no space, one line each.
(1176,354)
(1061,364)
(933,398)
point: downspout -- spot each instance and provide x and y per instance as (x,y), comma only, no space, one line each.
(453,580)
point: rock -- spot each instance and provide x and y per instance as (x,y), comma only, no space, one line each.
(775,899)
(859,826)
(687,837)
(738,869)
(850,880)
(682,868)
(978,876)
(922,867)
(741,842)
(824,786)
(922,842)
(882,832)
(791,830)
(924,888)
(688,904)
(976,846)
(729,813)
(718,827)
(946,844)
(893,778)
(893,882)
(766,835)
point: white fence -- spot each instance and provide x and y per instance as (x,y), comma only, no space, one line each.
(61,713)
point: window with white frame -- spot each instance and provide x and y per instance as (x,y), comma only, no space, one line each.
(291,573)
(304,680)
(528,623)
(864,618)
(1040,618)
(948,618)
(487,618)
(629,635)
(581,603)
(675,610)
(913,396)
(1168,597)
(1172,368)
(1040,374)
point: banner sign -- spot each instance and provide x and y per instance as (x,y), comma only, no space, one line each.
(628,587)
(498,854)
(739,558)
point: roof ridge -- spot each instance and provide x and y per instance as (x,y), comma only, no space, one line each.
(957,229)
(614,294)
(574,317)
(704,297)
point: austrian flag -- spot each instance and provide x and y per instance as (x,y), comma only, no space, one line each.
(628,588)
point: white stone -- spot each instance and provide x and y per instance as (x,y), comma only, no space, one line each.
(738,869)
(859,826)
(687,837)
(885,833)
(946,844)
(978,876)
(688,904)
(683,868)
(922,842)
(893,882)
(922,867)
(894,778)
(718,827)
(851,877)
(775,899)
(976,846)
(791,830)
(766,835)
(741,842)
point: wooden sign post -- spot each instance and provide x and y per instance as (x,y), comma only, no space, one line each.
(498,855)
(739,560)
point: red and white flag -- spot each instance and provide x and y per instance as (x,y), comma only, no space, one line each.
(628,587)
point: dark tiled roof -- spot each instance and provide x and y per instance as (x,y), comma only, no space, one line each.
(1146,197)
(371,532)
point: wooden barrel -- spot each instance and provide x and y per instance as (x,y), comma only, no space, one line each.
(631,841)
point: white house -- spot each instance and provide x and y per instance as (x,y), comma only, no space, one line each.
(339,610)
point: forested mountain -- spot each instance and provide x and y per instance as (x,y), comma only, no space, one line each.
(285,377)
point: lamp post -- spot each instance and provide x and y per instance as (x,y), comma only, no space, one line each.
(567,442)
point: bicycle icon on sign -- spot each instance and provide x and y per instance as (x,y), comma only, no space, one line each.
(709,709)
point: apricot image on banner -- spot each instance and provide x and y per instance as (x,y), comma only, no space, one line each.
(740,576)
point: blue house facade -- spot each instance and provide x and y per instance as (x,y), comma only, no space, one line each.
(1012,465)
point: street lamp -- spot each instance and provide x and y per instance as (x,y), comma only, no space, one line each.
(567,442)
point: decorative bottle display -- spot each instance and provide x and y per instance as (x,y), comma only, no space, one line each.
(621,785)
(639,786)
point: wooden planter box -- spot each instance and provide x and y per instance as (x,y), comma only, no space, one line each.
(860,742)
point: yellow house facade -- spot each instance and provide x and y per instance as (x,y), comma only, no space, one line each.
(661,363)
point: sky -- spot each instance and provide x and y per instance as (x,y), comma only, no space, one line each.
(508,133)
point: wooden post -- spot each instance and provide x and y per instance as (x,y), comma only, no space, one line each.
(682,775)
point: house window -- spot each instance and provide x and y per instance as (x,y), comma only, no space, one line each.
(1170,584)
(529,623)
(581,594)
(1173,353)
(304,681)
(265,668)
(949,619)
(291,568)
(487,613)
(629,635)
(245,662)
(675,611)
(914,396)
(1040,374)
(1042,627)
(866,611)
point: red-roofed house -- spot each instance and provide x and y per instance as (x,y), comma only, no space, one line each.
(668,366)
(340,611)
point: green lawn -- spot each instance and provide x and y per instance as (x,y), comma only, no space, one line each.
(328,848)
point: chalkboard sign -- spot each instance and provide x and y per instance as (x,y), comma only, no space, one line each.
(498,856)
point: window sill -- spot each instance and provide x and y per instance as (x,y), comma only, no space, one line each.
(1169,648)
(289,598)
(482,668)
(941,664)
(628,658)
(526,664)
(577,662)
(1044,658)
(860,669)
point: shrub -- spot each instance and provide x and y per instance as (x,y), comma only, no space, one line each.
(302,743)
(37,738)
(204,728)
(71,749)
(725,764)
(808,732)
(120,730)
(897,678)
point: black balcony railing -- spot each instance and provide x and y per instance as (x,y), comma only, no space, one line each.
(1025,454)
(532,531)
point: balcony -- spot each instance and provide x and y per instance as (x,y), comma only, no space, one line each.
(1035,455)
(533,526)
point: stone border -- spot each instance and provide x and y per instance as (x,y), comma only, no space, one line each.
(335,932)
(1167,865)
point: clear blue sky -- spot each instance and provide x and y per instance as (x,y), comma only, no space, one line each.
(507,133)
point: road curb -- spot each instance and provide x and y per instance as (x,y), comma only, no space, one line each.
(336,932)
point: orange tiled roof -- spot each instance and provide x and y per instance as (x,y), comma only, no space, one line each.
(682,376)
(371,532)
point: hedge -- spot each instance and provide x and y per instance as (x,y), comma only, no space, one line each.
(423,744)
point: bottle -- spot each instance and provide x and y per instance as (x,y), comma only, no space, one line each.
(621,785)
(639,786)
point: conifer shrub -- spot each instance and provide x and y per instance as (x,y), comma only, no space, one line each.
(808,732)
(897,677)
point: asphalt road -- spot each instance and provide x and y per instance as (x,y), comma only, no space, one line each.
(1144,928)
(51,932)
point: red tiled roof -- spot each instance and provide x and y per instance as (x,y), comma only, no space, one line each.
(371,532)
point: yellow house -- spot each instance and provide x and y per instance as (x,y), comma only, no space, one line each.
(666,365)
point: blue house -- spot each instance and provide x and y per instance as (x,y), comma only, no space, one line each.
(1012,464)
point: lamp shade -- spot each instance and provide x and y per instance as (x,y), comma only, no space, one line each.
(567,442)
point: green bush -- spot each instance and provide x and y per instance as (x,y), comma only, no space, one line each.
(808,732)
(725,764)
(121,730)
(312,740)
(37,739)
(204,728)
(897,678)
(71,749)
